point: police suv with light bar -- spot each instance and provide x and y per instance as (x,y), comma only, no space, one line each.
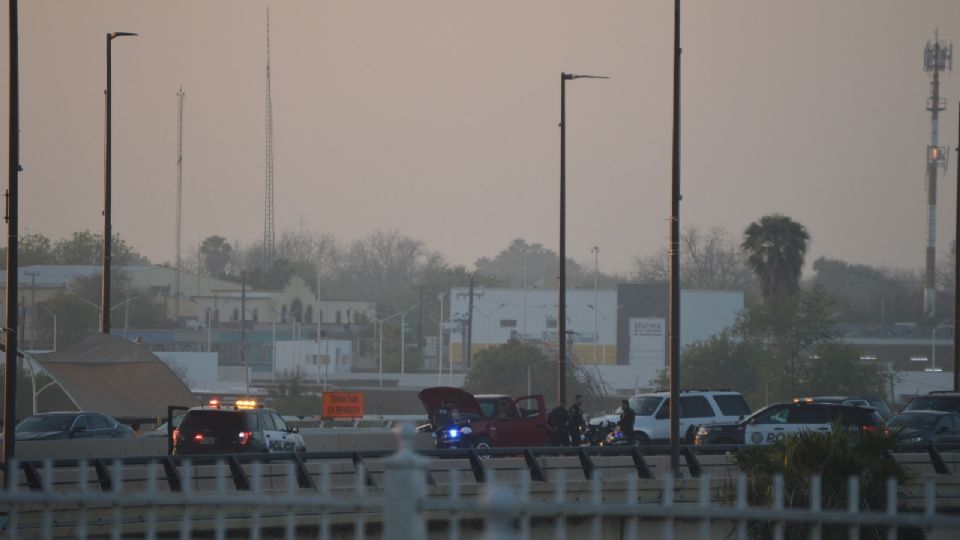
(244,426)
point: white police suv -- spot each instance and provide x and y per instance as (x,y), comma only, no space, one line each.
(697,407)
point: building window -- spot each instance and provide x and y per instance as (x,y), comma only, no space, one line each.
(256,315)
(508,323)
(339,317)
(308,316)
(319,315)
(236,315)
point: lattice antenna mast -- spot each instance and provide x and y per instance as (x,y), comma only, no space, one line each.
(269,235)
(937,57)
(176,284)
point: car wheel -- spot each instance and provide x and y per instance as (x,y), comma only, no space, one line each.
(482,443)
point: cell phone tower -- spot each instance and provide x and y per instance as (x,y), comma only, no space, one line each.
(937,57)
(269,235)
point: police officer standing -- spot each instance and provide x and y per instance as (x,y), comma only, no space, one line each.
(559,422)
(627,417)
(577,422)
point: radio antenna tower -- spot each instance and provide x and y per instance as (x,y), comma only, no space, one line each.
(937,57)
(269,236)
(176,281)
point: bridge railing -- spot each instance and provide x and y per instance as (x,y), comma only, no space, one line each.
(606,493)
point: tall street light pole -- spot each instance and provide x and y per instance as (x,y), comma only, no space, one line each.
(107,232)
(562,306)
(596,300)
(10,314)
(956,282)
(675,256)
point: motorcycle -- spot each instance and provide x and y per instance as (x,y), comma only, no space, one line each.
(606,433)
(450,431)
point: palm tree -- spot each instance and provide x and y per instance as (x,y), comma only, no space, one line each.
(775,247)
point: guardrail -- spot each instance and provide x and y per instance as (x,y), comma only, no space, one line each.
(696,461)
(610,493)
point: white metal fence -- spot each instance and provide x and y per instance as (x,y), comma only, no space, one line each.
(341,503)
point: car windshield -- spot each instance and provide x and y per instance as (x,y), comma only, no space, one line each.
(47,422)
(645,405)
(212,419)
(913,421)
(934,403)
(881,407)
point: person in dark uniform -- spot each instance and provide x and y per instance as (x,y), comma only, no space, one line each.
(578,423)
(559,422)
(627,417)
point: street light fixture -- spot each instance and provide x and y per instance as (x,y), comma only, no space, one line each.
(107,233)
(562,315)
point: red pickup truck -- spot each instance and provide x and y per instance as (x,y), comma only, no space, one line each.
(496,419)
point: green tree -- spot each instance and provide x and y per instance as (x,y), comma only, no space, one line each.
(215,252)
(780,351)
(503,370)
(34,249)
(78,309)
(776,246)
(868,295)
(86,248)
(724,360)
(289,397)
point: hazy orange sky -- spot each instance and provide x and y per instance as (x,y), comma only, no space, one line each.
(440,119)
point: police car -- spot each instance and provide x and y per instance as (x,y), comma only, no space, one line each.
(775,422)
(244,426)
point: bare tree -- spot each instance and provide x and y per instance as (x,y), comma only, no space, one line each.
(710,260)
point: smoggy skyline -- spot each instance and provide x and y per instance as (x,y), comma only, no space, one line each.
(441,120)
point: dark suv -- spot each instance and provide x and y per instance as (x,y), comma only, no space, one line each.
(245,427)
(935,401)
(775,422)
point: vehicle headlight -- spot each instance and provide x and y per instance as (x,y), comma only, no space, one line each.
(453,433)
(703,431)
(917,438)
(466,430)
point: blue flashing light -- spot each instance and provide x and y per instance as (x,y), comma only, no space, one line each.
(453,433)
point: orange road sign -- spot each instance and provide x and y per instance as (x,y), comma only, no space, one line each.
(342,405)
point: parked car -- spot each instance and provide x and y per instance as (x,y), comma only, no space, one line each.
(495,419)
(244,427)
(697,407)
(863,401)
(775,422)
(70,425)
(935,401)
(921,427)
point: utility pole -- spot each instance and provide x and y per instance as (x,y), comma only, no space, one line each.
(10,315)
(176,281)
(469,327)
(674,303)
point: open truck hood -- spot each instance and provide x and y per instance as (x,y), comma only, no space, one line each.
(446,397)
